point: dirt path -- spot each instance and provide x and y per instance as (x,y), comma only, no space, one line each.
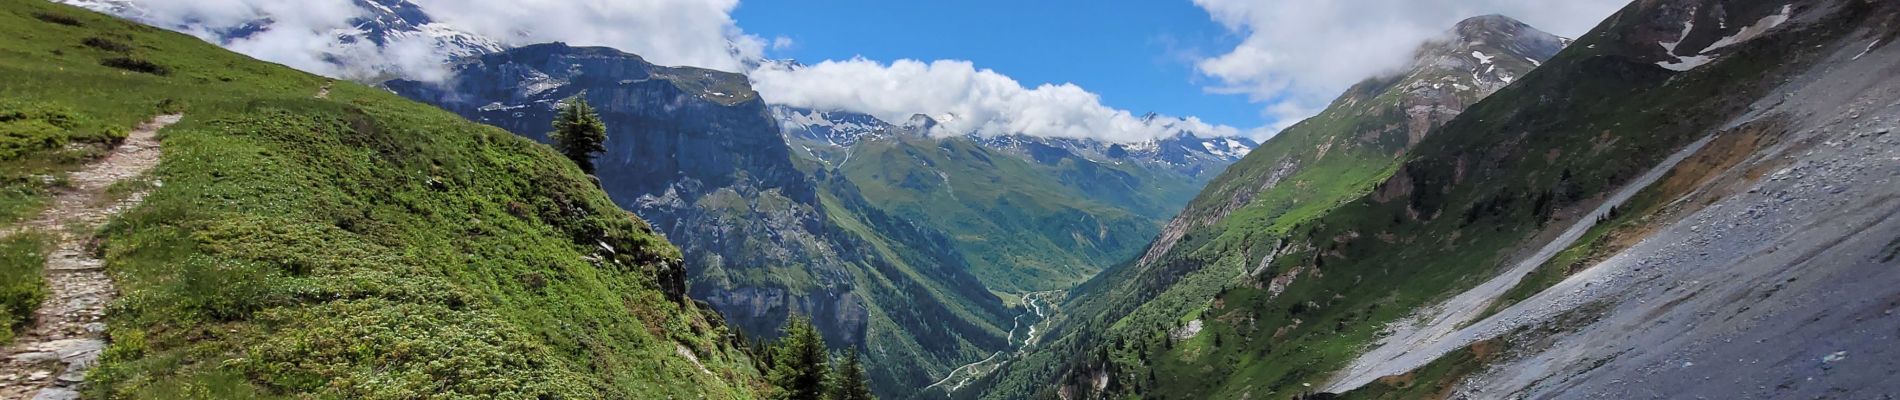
(49,361)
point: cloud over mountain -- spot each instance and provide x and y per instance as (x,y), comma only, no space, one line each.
(1297,55)
(699,33)
(963,99)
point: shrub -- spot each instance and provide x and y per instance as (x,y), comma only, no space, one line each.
(136,65)
(57,19)
(106,44)
(21,287)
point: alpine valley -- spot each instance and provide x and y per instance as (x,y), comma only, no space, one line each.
(1694,199)
(902,251)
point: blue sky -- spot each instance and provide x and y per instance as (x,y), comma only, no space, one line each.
(1231,67)
(1060,68)
(1137,55)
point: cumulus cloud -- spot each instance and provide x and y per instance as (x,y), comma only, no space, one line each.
(698,33)
(1297,54)
(964,99)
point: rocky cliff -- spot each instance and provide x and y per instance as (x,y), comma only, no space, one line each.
(697,153)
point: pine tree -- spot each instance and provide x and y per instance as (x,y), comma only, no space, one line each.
(850,382)
(579,133)
(800,367)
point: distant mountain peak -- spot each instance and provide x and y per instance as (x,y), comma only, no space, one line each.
(1183,151)
(1508,34)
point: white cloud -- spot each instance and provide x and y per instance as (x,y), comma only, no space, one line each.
(299,37)
(1297,55)
(964,99)
(303,34)
(698,33)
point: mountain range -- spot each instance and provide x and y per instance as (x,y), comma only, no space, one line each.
(1693,199)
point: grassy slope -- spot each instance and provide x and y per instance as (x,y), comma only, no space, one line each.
(1024,226)
(361,246)
(39,143)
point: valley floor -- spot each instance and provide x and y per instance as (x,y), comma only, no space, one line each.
(1022,335)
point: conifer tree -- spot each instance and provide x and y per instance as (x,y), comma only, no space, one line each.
(579,134)
(851,384)
(800,367)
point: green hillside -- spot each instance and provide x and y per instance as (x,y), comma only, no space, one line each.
(1024,226)
(353,246)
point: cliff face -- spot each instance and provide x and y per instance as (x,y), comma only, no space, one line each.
(693,152)
(698,154)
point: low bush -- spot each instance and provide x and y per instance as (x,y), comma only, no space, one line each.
(136,65)
(21,287)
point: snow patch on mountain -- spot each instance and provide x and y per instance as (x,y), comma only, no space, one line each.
(1752,31)
(1708,54)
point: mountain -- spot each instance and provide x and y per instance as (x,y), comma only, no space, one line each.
(1031,214)
(1232,230)
(372,45)
(1689,201)
(697,153)
(1747,264)
(304,238)
(1184,153)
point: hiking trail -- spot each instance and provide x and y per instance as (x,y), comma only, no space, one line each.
(49,360)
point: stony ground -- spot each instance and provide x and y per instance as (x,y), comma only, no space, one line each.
(1787,288)
(1419,340)
(50,360)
